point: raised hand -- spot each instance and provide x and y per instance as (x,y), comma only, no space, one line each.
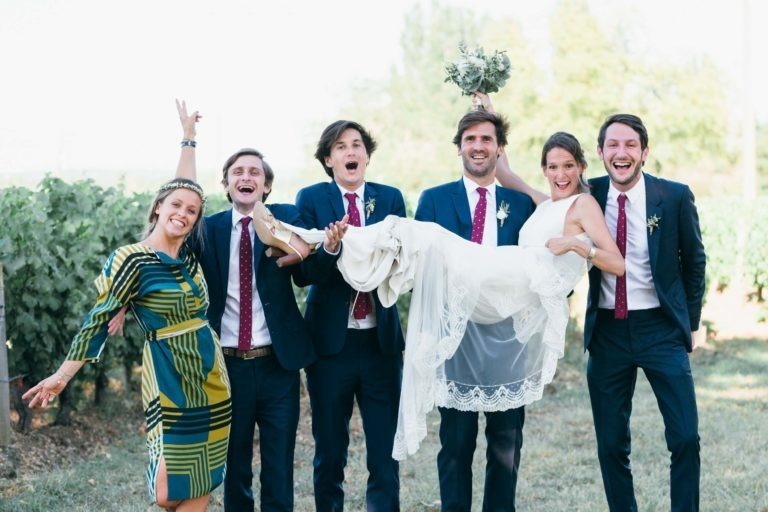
(334,233)
(188,121)
(481,101)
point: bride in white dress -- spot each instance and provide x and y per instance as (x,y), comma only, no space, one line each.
(518,293)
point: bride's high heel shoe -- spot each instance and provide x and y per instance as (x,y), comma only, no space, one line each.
(271,232)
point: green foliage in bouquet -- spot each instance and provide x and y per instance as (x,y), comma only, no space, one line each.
(476,71)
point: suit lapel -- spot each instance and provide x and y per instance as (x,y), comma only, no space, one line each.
(371,215)
(334,199)
(503,232)
(222,235)
(461,204)
(600,191)
(258,247)
(653,206)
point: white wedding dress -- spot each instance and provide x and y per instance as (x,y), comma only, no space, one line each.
(513,298)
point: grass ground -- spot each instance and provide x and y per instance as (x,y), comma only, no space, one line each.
(559,469)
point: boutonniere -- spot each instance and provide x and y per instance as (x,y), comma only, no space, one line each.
(502,213)
(653,223)
(369,207)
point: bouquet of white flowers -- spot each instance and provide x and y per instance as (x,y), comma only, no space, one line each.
(475,71)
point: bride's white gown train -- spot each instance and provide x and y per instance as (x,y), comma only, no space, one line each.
(515,297)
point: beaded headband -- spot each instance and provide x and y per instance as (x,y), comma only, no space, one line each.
(173,185)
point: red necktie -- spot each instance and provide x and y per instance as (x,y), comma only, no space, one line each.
(246,287)
(620,311)
(363,305)
(478,222)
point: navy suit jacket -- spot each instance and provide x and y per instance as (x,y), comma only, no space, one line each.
(448,206)
(291,342)
(330,296)
(676,254)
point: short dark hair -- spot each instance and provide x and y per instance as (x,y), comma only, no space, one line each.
(482,116)
(332,133)
(630,120)
(269,175)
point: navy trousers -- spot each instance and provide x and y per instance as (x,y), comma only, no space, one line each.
(647,340)
(363,372)
(263,394)
(458,435)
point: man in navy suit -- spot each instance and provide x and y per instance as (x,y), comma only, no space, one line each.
(647,320)
(471,208)
(358,341)
(264,343)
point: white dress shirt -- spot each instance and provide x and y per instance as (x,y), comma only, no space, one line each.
(641,292)
(230,321)
(490,231)
(369,321)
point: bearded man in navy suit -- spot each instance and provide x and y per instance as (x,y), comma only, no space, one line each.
(648,320)
(359,342)
(480,139)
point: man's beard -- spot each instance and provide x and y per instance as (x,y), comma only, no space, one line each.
(478,173)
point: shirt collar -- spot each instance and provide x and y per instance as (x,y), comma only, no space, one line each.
(635,195)
(236,216)
(360,191)
(471,187)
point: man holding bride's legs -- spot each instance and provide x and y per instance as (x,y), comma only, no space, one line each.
(470,207)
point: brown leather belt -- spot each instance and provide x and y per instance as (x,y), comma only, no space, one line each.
(248,354)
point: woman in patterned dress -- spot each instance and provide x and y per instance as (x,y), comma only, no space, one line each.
(185,389)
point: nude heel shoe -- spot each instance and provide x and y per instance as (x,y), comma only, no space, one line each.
(272,233)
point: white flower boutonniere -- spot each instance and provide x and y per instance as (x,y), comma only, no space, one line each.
(653,223)
(502,213)
(369,207)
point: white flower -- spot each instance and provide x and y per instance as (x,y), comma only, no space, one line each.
(502,213)
(653,223)
(369,207)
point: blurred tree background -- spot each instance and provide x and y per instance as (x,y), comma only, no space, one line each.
(591,73)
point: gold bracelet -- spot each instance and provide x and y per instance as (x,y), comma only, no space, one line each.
(60,374)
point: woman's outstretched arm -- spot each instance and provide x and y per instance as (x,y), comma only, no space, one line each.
(187,167)
(586,215)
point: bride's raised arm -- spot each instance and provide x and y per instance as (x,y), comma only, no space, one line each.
(187,167)
(504,173)
(510,179)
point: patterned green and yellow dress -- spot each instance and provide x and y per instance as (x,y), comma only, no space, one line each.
(185,389)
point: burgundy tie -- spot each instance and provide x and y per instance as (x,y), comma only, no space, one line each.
(620,312)
(363,305)
(478,222)
(246,287)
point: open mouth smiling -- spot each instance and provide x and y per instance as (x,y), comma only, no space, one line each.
(351,166)
(622,166)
